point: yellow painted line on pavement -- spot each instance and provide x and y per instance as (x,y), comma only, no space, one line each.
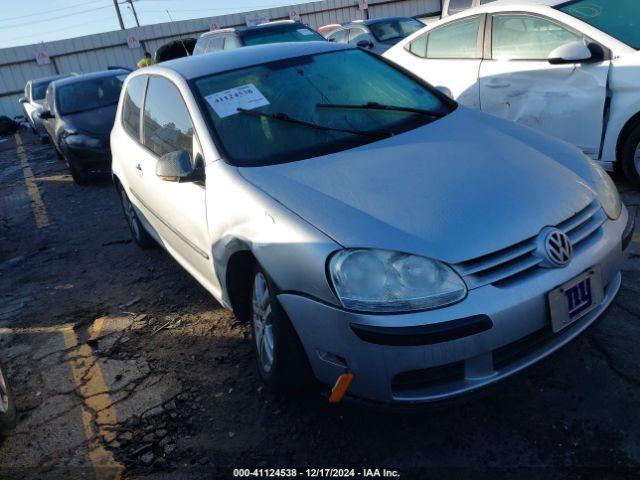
(37,205)
(89,381)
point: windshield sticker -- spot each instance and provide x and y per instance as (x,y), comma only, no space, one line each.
(304,31)
(226,103)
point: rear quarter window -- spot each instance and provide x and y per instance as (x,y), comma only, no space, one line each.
(131,105)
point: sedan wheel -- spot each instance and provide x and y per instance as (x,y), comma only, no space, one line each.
(631,156)
(262,322)
(8,415)
(282,361)
(138,232)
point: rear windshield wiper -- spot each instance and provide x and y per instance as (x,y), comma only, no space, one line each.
(283,117)
(380,106)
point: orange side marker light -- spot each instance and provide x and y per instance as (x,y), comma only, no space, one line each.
(341,387)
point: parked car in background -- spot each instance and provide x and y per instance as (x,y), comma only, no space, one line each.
(325,30)
(78,115)
(380,233)
(451,7)
(377,34)
(182,47)
(271,32)
(8,413)
(569,69)
(33,100)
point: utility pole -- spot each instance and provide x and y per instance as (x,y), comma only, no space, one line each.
(133,9)
(115,4)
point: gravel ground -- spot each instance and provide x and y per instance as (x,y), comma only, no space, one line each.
(123,366)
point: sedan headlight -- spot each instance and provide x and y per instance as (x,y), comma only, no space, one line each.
(82,141)
(607,191)
(385,282)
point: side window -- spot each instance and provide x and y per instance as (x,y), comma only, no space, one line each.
(231,42)
(215,44)
(199,48)
(418,46)
(482,2)
(456,6)
(455,40)
(339,37)
(132,104)
(167,125)
(359,34)
(525,37)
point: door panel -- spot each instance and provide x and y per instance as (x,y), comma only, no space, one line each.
(566,101)
(177,210)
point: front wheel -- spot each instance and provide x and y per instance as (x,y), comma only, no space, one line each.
(138,232)
(282,361)
(631,156)
(8,414)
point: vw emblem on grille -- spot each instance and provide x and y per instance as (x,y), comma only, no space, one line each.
(558,250)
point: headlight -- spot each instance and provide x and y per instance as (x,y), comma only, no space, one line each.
(607,191)
(384,281)
(80,140)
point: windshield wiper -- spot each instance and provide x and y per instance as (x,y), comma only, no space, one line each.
(283,117)
(380,106)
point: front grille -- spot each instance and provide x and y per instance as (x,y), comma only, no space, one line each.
(513,262)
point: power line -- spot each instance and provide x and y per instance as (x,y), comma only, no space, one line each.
(51,11)
(55,18)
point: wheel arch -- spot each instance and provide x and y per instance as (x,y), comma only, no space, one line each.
(622,136)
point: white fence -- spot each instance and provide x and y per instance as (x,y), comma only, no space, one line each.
(97,52)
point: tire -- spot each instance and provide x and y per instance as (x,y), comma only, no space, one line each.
(79,174)
(9,417)
(281,359)
(631,156)
(138,232)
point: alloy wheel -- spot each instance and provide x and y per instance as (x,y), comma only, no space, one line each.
(262,322)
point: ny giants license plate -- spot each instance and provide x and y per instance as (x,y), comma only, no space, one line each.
(573,300)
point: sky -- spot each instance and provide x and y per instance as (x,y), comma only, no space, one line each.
(33,21)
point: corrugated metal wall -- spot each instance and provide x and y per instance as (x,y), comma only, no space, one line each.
(97,52)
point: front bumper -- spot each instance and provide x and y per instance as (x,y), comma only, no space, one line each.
(519,333)
(88,158)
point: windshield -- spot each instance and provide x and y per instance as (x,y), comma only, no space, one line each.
(293,89)
(394,29)
(38,90)
(284,33)
(89,94)
(619,18)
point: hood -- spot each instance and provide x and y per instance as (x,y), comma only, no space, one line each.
(98,122)
(463,186)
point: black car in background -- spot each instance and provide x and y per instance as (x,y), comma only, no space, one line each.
(270,32)
(78,114)
(33,101)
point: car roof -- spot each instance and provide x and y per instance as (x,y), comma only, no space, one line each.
(254,28)
(225,60)
(51,78)
(90,76)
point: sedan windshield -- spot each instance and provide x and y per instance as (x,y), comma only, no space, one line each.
(89,94)
(394,29)
(38,90)
(313,106)
(619,18)
(279,34)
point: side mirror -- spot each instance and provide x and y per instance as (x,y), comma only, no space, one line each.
(574,52)
(365,44)
(23,100)
(331,39)
(46,115)
(445,91)
(177,167)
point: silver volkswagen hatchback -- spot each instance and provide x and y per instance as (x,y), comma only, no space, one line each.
(381,238)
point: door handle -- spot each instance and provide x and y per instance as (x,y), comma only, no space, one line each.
(139,168)
(498,84)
